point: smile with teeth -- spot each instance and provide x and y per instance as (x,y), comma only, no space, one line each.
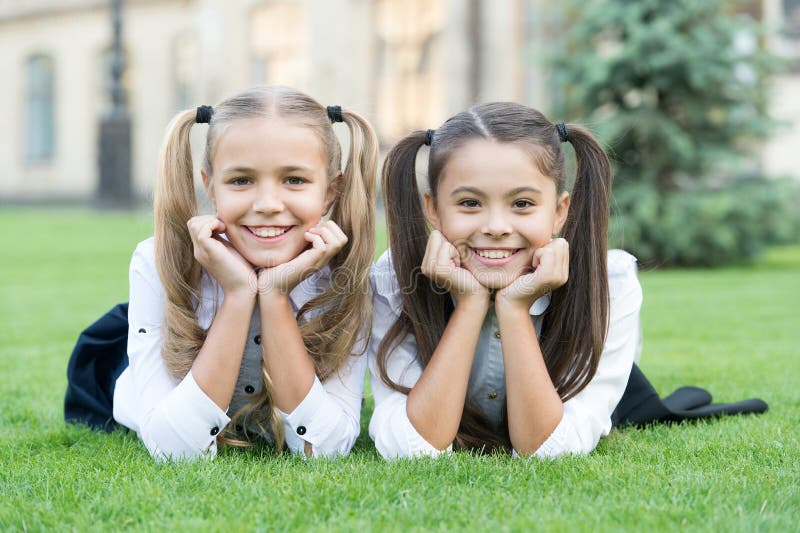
(269,231)
(495,254)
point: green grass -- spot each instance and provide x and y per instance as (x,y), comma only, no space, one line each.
(734,331)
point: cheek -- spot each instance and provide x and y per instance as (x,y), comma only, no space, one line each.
(455,227)
(228,209)
(309,208)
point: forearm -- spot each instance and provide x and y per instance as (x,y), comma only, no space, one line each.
(534,406)
(216,367)
(290,367)
(436,403)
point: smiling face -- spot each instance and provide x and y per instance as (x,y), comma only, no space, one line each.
(495,206)
(269,185)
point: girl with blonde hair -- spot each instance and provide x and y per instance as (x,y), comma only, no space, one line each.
(248,323)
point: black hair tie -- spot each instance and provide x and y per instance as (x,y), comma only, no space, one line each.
(429,137)
(563,134)
(335,113)
(204,113)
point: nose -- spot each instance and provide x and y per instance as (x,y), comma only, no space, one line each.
(268,201)
(496,224)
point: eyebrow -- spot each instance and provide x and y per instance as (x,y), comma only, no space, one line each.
(520,190)
(469,190)
(478,192)
(282,170)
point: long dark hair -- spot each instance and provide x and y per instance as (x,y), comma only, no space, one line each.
(575,324)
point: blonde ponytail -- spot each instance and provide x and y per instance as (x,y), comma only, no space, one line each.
(347,300)
(174,205)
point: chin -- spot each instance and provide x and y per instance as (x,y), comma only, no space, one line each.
(494,278)
(267,260)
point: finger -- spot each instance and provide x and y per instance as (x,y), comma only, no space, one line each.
(444,256)
(195,223)
(204,231)
(326,234)
(337,231)
(536,259)
(212,225)
(316,241)
(456,257)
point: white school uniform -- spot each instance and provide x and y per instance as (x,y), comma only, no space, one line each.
(587,416)
(176,419)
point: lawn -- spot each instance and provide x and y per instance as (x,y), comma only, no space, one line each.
(734,331)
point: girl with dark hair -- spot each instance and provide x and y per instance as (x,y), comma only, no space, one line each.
(501,320)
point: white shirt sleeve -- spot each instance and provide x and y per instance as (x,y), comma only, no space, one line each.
(173,420)
(390,428)
(587,416)
(329,417)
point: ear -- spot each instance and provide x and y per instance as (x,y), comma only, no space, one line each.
(562,210)
(208,183)
(430,211)
(335,186)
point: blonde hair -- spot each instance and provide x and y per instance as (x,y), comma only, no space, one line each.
(329,336)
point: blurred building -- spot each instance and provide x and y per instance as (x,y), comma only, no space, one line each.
(404,64)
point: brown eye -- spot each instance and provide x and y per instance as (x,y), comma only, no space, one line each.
(240,180)
(522,204)
(469,203)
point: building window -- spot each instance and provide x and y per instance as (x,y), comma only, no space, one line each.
(40,132)
(280,43)
(791,18)
(410,69)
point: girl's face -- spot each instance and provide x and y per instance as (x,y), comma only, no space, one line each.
(269,185)
(496,207)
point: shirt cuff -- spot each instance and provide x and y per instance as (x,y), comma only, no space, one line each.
(395,436)
(192,418)
(313,420)
(417,445)
(556,444)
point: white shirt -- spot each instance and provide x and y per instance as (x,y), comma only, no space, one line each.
(587,416)
(178,420)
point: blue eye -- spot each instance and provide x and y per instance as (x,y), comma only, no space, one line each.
(295,180)
(241,180)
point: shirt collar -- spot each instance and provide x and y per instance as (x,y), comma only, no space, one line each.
(311,287)
(540,306)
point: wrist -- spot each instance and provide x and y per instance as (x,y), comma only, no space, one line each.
(504,303)
(473,301)
(240,298)
(273,298)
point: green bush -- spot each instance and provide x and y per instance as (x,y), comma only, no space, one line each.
(678,92)
(705,227)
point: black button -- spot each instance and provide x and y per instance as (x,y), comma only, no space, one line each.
(214,430)
(249,389)
(301,430)
(257,339)
(142,330)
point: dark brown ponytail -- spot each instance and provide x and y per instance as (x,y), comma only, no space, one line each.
(571,344)
(425,311)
